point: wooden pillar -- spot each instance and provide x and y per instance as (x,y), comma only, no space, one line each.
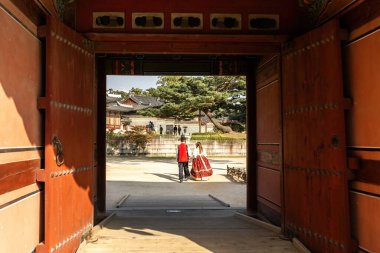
(251,139)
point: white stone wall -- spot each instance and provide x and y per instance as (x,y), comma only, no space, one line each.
(164,146)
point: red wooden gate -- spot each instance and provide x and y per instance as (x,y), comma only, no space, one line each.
(315,177)
(68,176)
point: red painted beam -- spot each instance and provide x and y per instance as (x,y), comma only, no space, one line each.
(187,44)
(16,175)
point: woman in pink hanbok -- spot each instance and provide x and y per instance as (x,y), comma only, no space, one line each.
(201,168)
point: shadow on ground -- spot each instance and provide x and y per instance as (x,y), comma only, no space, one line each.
(230,193)
(188,231)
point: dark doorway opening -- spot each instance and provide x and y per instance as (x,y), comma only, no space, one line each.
(173,65)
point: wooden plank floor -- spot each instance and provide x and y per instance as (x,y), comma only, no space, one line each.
(184,231)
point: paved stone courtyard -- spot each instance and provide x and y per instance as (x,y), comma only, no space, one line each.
(145,176)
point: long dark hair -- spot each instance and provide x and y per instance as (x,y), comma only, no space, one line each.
(199,145)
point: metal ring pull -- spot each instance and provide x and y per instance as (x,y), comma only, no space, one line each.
(58,150)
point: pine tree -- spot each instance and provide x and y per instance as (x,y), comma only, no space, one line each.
(216,96)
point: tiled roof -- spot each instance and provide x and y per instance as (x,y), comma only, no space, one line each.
(147,101)
(113,104)
(117,108)
(111,99)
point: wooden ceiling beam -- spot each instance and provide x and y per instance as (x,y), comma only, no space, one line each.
(187,44)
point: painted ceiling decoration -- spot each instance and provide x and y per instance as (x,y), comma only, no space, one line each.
(60,6)
(314,9)
(244,17)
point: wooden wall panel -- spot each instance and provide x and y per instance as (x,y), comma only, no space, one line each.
(20,86)
(269,156)
(269,186)
(268,136)
(268,72)
(21,145)
(20,119)
(365,220)
(361,58)
(20,222)
(365,17)
(268,111)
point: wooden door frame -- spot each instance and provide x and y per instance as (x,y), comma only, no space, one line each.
(184,45)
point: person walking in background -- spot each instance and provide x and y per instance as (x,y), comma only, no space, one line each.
(161,129)
(183,156)
(201,168)
(175,129)
(179,130)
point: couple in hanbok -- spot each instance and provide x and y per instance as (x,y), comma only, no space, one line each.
(201,168)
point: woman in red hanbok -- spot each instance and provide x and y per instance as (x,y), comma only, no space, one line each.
(201,169)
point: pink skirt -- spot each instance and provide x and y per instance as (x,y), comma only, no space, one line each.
(201,168)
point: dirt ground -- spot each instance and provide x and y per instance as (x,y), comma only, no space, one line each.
(144,176)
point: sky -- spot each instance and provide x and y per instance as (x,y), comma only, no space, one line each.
(125,83)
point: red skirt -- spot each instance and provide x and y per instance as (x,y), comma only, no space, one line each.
(201,168)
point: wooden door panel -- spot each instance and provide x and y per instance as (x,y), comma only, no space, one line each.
(315,176)
(68,187)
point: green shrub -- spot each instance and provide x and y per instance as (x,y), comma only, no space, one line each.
(114,139)
(139,137)
(237,127)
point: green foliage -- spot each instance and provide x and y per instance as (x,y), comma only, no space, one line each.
(114,139)
(137,138)
(136,91)
(220,97)
(151,92)
(217,136)
(184,96)
(127,122)
(235,125)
